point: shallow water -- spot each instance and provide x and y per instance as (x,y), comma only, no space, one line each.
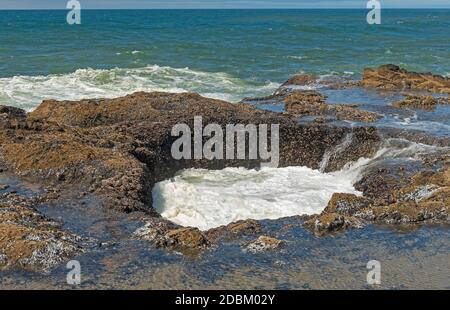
(409,260)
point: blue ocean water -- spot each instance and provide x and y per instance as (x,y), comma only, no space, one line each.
(228,54)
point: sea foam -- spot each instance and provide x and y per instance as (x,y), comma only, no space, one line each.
(208,199)
(27,92)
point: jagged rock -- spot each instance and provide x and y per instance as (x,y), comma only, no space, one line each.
(301,80)
(346,204)
(392,77)
(264,244)
(119,148)
(302,103)
(232,230)
(331,222)
(30,241)
(167,235)
(420,102)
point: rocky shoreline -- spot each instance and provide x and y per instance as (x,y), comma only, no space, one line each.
(116,150)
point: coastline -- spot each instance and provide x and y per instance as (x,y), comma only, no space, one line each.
(104,156)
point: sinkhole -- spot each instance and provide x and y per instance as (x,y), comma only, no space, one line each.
(210,198)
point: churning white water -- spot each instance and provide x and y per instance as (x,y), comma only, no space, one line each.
(208,199)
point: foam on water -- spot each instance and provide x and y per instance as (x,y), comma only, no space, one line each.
(28,91)
(207,199)
(211,198)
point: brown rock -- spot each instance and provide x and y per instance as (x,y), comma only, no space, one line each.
(420,102)
(30,241)
(232,230)
(301,80)
(392,77)
(346,204)
(331,222)
(168,235)
(264,244)
(302,103)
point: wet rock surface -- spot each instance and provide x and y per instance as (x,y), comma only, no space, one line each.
(393,77)
(117,149)
(30,241)
(302,103)
(264,244)
(421,102)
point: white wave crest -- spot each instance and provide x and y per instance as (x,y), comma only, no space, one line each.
(28,91)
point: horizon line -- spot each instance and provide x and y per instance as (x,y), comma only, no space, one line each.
(268,8)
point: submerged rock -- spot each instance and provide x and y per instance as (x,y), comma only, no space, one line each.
(264,244)
(391,77)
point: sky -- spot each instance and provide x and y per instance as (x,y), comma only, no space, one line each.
(211,4)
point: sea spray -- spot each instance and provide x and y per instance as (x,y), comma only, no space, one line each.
(28,91)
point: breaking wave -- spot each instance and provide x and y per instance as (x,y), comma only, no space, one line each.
(28,91)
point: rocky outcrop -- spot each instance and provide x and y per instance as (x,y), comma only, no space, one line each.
(420,102)
(423,197)
(300,80)
(328,223)
(168,235)
(264,244)
(31,241)
(346,204)
(392,77)
(302,103)
(189,240)
(117,149)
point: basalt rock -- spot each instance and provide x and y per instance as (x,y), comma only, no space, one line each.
(302,103)
(346,204)
(420,102)
(233,230)
(264,244)
(392,77)
(327,223)
(301,80)
(119,148)
(165,234)
(31,241)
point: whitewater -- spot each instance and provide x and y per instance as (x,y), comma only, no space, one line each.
(27,92)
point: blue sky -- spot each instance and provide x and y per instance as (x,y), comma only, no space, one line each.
(152,4)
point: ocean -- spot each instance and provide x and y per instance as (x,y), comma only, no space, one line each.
(225,54)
